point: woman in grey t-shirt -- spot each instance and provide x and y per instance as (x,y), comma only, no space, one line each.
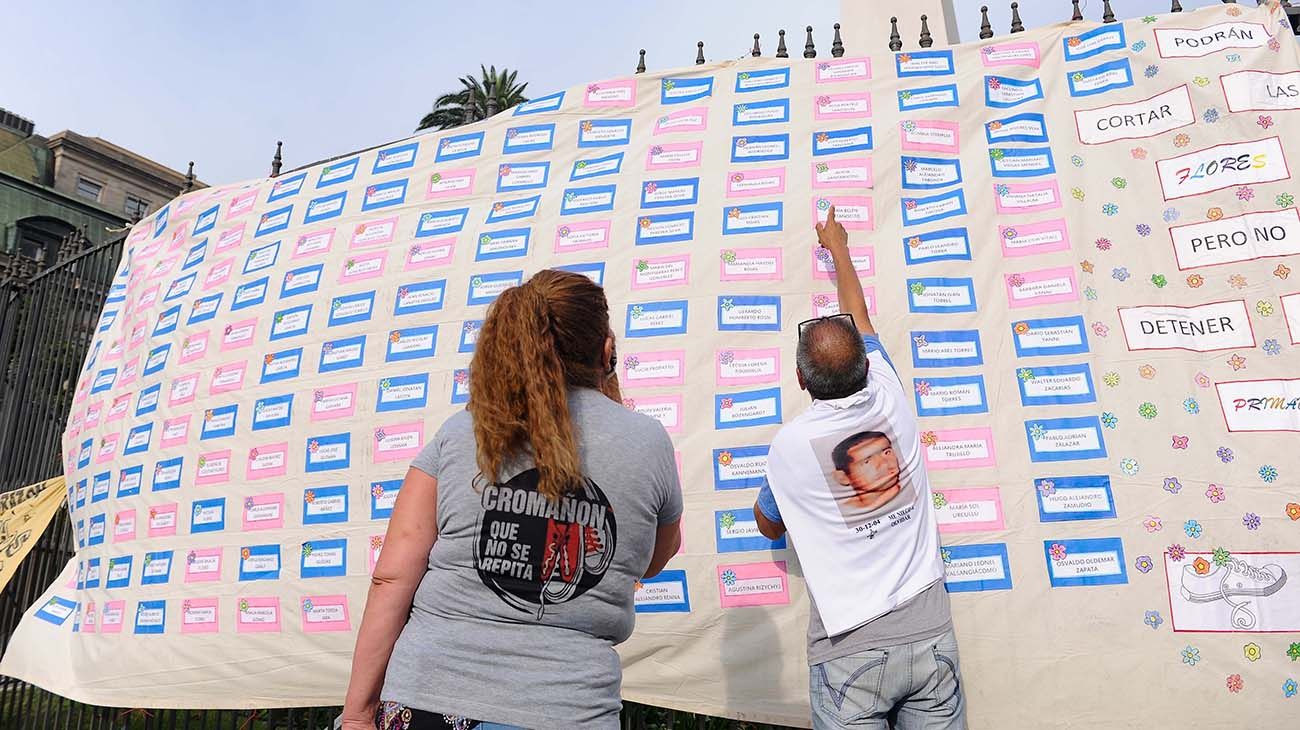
(519,534)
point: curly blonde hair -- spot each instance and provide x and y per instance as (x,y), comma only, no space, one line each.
(539,339)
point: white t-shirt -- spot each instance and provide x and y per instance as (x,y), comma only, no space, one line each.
(850,482)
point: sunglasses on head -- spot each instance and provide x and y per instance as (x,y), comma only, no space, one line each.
(809,322)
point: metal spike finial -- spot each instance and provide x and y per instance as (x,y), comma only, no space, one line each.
(277,161)
(927,40)
(640,64)
(1016,25)
(1175,7)
(699,53)
(895,40)
(1078,14)
(756,51)
(781,51)
(189,179)
(1107,14)
(986,28)
(809,50)
(837,45)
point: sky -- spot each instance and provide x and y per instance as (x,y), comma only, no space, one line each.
(220,83)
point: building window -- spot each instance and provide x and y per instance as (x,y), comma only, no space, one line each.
(136,207)
(89,189)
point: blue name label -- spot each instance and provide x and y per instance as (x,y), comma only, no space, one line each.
(736,531)
(325,505)
(261,258)
(749,313)
(412,343)
(668,592)
(273,221)
(753,218)
(392,159)
(594,271)
(219,422)
(160,223)
(753,408)
(96,533)
(928,97)
(969,568)
(327,453)
(831,142)
(1056,385)
(509,210)
(206,220)
(402,392)
(420,297)
(273,412)
(92,573)
(945,349)
(459,146)
(1100,79)
(441,222)
(1065,439)
(137,439)
(208,515)
(282,365)
(760,148)
(103,380)
(167,321)
(654,319)
(324,558)
(157,359)
(286,187)
(1097,561)
(336,173)
(597,167)
(129,481)
(953,396)
(740,467)
(290,322)
(1051,336)
(924,63)
(1001,92)
(748,82)
(1094,42)
(460,386)
(305,280)
(529,138)
(197,253)
(773,111)
(57,610)
(485,288)
(523,176)
(1021,162)
(384,195)
(261,562)
(167,474)
(940,295)
(382,497)
(156,568)
(933,208)
(587,200)
(604,132)
(682,90)
(507,244)
(1028,127)
(99,486)
(668,193)
(1064,499)
(469,335)
(548,103)
(325,207)
(930,173)
(150,617)
(665,228)
(342,354)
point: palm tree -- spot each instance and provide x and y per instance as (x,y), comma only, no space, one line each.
(478,98)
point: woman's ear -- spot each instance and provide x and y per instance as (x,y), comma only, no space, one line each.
(610,359)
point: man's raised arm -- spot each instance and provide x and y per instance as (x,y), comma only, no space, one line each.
(832,237)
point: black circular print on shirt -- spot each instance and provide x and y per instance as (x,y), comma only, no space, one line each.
(534,552)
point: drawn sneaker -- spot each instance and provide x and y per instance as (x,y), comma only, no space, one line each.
(1203,581)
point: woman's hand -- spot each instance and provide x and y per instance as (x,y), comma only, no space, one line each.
(831,234)
(359,720)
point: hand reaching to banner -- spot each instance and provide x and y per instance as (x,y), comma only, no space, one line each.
(832,237)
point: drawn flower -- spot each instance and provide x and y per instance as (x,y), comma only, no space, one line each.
(313,446)
(1274,44)
(1143,230)
(1293,511)
(650,187)
(1264,307)
(741,141)
(1268,473)
(1245,192)
(1103,244)
(306,549)
(1251,521)
(1170,215)
(1110,209)
(1037,431)
(307,605)
(1282,271)
(1237,362)
(1143,563)
(1100,329)
(1192,529)
(920,341)
(1074,42)
(1191,406)
(1176,553)
(1211,115)
(1109,420)
(1151,71)
(637,311)
(1076,160)
(1215,493)
(1224,453)
(1293,651)
(1202,380)
(1152,523)
(1191,655)
(1025,374)
(1271,347)
(1086,265)
(1182,140)
(1215,213)
(1147,371)
(1180,442)
(1252,652)
(1046,487)
(725,403)
(1111,379)
(821,300)
(376,542)
(910,126)
(1284,200)
(629,404)
(727,520)
(939,500)
(729,256)
(1077,76)
(922,387)
(1153,619)
(929,438)
(1057,551)
(1002,189)
(1172,485)
(1016,280)
(1077,194)
(729,577)
(1234,683)
(1147,410)
(631,362)
(1138,153)
(916,288)
(1120,273)
(1221,556)
(1129,466)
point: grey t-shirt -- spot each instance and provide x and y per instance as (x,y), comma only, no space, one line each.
(924,616)
(516,619)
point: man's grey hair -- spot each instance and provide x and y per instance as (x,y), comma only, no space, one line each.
(832,359)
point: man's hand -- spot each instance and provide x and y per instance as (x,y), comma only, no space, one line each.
(831,234)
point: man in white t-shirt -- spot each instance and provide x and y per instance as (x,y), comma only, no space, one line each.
(847,479)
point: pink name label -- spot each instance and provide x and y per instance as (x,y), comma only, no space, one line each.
(314,243)
(751,264)
(219,273)
(374,233)
(336,401)
(694,119)
(666,409)
(457,183)
(1028,239)
(669,156)
(264,462)
(162,520)
(959,448)
(176,431)
(748,366)
(263,512)
(239,334)
(1026,197)
(1011,54)
(430,253)
(842,106)
(363,266)
(661,272)
(863,257)
(748,183)
(824,305)
(203,565)
(376,547)
(753,584)
(969,510)
(110,620)
(654,369)
(843,69)
(124,526)
(194,347)
(213,468)
(241,204)
(230,238)
(610,93)
(183,389)
(851,172)
(1047,286)
(398,442)
(582,236)
(107,448)
(257,615)
(121,404)
(325,613)
(199,616)
(854,212)
(228,377)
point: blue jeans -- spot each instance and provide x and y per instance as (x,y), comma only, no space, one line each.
(913,686)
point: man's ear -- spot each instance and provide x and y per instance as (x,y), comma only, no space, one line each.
(842,478)
(608,351)
(798,374)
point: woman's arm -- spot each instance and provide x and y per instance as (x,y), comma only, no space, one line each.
(403,561)
(668,540)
